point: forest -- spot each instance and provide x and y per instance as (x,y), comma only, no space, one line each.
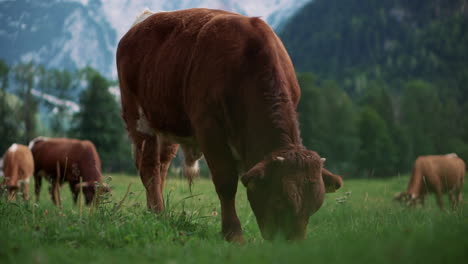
(382,81)
(78,104)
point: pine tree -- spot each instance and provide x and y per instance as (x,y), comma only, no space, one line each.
(328,121)
(25,80)
(98,119)
(9,128)
(377,152)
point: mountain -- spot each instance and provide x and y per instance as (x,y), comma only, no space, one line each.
(57,34)
(75,33)
(356,41)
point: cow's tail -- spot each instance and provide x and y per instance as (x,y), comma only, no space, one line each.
(191,169)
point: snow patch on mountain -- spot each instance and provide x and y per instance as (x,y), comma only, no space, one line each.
(71,34)
(122,13)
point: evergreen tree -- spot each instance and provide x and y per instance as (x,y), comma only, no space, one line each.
(9,129)
(420,114)
(377,152)
(328,121)
(98,120)
(25,80)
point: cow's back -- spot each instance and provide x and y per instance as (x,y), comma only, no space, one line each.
(153,60)
(66,154)
(445,170)
(173,64)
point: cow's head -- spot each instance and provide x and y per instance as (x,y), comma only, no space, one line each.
(90,190)
(407,199)
(284,190)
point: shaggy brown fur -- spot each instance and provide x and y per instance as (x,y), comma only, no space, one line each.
(436,174)
(220,84)
(18,167)
(66,160)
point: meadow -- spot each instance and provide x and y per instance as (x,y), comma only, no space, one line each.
(358,224)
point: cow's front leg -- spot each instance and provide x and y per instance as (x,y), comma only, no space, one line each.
(224,172)
(12,192)
(55,192)
(231,227)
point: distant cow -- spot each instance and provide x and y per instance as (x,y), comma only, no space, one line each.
(66,160)
(220,84)
(18,167)
(437,174)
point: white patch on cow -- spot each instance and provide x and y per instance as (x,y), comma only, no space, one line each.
(143,125)
(451,155)
(32,142)
(144,15)
(13,148)
(234,151)
(191,169)
(25,181)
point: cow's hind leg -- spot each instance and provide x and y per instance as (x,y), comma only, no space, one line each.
(223,167)
(25,189)
(145,143)
(37,185)
(438,193)
(74,191)
(153,155)
(167,151)
(148,165)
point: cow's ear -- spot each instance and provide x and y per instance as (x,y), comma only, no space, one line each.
(256,173)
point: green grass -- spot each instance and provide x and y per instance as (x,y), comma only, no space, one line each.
(358,224)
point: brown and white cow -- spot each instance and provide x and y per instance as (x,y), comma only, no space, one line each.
(18,167)
(437,174)
(66,160)
(222,85)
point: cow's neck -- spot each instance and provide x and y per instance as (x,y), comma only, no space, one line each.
(415,184)
(270,125)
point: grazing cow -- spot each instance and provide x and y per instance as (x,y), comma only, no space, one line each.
(222,85)
(437,174)
(66,160)
(18,167)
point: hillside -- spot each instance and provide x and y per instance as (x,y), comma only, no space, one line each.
(382,81)
(72,34)
(355,41)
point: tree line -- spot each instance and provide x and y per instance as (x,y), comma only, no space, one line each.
(377,134)
(35,101)
(380,134)
(389,82)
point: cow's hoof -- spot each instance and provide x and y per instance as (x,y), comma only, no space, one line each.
(239,239)
(235,238)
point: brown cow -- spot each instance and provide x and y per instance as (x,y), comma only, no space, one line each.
(220,84)
(437,174)
(66,160)
(18,167)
